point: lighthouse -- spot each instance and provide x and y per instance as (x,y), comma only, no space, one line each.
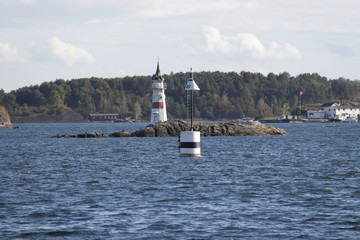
(158,110)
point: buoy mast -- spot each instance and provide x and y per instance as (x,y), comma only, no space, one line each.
(190,87)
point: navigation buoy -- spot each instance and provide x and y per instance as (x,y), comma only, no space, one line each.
(190,140)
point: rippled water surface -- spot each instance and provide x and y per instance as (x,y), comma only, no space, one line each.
(304,185)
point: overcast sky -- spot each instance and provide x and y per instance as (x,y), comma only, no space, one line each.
(45,40)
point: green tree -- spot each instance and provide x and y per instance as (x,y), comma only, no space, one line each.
(222,95)
(263,109)
(137,110)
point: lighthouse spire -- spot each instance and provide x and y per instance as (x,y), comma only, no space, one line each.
(157,74)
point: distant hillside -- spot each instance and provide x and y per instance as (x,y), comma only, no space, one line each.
(51,114)
(222,96)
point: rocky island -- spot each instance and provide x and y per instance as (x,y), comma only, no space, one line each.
(174,127)
(4,118)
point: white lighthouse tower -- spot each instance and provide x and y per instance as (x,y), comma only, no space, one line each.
(158,111)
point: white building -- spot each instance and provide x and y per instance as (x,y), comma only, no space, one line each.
(158,110)
(336,112)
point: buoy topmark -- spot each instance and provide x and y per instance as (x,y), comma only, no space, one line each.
(190,144)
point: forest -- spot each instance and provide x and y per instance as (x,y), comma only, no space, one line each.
(222,95)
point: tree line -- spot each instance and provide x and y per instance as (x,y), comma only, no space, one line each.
(222,95)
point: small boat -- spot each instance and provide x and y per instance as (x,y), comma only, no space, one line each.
(246,120)
(351,119)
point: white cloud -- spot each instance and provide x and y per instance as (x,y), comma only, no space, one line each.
(246,42)
(68,53)
(9,54)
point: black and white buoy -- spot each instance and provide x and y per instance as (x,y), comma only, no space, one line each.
(190,140)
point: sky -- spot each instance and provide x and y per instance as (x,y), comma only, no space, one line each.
(46,40)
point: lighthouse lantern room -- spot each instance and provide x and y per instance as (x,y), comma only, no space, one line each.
(158,110)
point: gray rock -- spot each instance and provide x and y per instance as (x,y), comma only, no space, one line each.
(120,134)
(173,129)
(146,132)
(83,135)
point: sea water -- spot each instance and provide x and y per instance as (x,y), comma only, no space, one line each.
(303,185)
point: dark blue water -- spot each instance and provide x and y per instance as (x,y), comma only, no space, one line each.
(304,185)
